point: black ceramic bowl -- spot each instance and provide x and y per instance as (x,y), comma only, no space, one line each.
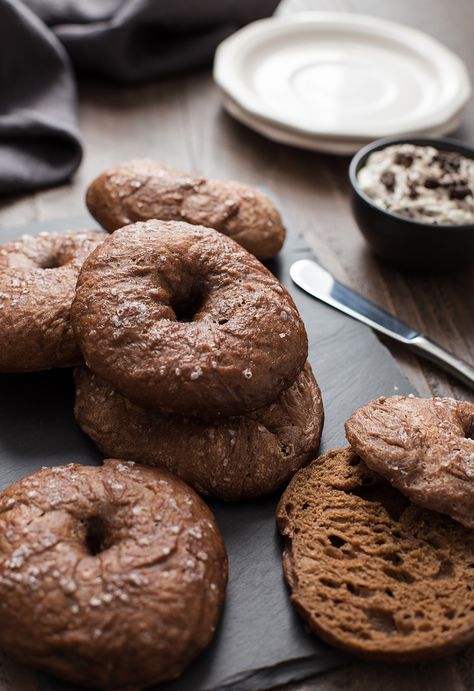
(410,244)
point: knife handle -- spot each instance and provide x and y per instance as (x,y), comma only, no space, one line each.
(434,352)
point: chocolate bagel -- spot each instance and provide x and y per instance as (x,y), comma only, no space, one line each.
(423,446)
(232,458)
(38,275)
(140,190)
(111,577)
(369,571)
(181,318)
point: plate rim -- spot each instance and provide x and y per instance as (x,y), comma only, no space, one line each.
(232,51)
(340,146)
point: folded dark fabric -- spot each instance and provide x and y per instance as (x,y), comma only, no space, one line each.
(39,137)
(128,41)
(139,40)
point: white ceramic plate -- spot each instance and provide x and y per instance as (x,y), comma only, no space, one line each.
(341,75)
(338,146)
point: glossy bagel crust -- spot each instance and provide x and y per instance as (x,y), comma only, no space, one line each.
(141,189)
(238,343)
(423,446)
(111,576)
(38,275)
(231,458)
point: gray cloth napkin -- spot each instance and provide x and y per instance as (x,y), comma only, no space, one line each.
(42,42)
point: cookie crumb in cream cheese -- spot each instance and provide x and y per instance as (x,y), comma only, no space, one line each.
(421,182)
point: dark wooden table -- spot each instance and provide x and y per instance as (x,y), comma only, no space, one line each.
(181,122)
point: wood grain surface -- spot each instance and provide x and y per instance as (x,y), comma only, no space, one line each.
(181,122)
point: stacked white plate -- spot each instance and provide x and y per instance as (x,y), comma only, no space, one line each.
(333,82)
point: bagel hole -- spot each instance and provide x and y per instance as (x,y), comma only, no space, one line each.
(51,264)
(393,501)
(53,261)
(95,535)
(466,418)
(185,307)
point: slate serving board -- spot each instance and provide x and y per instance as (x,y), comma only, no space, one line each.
(260,643)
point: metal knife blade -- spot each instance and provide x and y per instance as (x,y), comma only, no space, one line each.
(319,283)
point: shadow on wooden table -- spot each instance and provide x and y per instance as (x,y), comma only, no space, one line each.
(455,673)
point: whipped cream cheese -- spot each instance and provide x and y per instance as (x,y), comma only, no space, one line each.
(421,182)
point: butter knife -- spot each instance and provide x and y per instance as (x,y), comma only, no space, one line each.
(319,283)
